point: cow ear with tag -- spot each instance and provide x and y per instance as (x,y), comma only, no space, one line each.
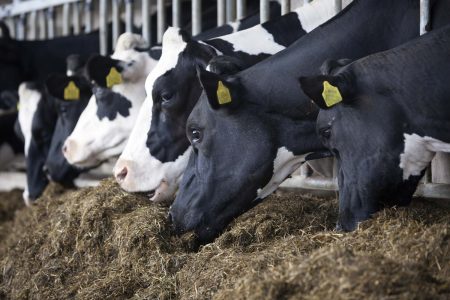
(104,71)
(326,91)
(66,88)
(218,89)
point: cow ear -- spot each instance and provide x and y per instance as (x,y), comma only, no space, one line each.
(218,90)
(104,71)
(332,66)
(66,88)
(327,91)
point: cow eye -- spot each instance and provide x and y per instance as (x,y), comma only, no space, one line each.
(325,132)
(196,135)
(165,98)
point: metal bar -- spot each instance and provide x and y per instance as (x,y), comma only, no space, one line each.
(103,27)
(285,6)
(221,12)
(337,5)
(196,16)
(32,21)
(231,10)
(42,25)
(115,14)
(65,19)
(21,27)
(129,16)
(19,8)
(424,15)
(241,9)
(88,7)
(161,19)
(176,13)
(51,22)
(76,17)
(146,24)
(264,11)
(311,183)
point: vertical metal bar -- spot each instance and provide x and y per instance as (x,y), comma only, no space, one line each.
(161,19)
(42,25)
(65,19)
(337,5)
(424,15)
(264,11)
(241,10)
(51,22)
(32,33)
(231,10)
(115,21)
(176,13)
(76,17)
(21,25)
(196,16)
(146,24)
(129,16)
(88,7)
(103,27)
(285,6)
(221,12)
(11,26)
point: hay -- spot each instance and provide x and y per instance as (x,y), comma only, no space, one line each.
(102,243)
(10,202)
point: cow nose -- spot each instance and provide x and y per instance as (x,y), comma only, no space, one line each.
(120,176)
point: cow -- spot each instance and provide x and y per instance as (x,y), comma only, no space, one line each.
(157,151)
(383,122)
(11,145)
(250,131)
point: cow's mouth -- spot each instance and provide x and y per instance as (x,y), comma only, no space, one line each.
(163,193)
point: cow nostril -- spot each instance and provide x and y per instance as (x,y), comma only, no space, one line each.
(64,149)
(122,174)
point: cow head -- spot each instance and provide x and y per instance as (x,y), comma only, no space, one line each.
(71,94)
(241,153)
(106,123)
(157,151)
(356,123)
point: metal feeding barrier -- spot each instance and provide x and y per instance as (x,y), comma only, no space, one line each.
(37,19)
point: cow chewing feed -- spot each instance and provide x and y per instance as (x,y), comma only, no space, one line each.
(236,146)
(388,123)
(158,149)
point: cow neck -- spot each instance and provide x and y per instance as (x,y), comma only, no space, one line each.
(360,29)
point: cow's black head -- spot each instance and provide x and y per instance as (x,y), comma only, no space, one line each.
(358,125)
(241,153)
(71,95)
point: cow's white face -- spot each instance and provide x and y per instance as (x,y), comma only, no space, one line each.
(136,170)
(28,102)
(104,128)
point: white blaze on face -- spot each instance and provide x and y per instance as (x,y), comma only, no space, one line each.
(418,153)
(284,165)
(144,172)
(94,140)
(28,102)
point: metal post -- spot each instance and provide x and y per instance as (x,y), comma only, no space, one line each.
(103,27)
(176,13)
(241,10)
(424,15)
(337,6)
(264,11)
(146,24)
(88,16)
(221,12)
(76,17)
(196,16)
(42,25)
(21,27)
(231,10)
(51,22)
(32,35)
(115,21)
(285,6)
(161,19)
(129,16)
(65,19)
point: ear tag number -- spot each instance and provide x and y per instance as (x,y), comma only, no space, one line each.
(331,94)
(113,78)
(71,92)
(223,94)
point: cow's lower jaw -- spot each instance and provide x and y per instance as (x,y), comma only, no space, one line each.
(165,192)
(88,158)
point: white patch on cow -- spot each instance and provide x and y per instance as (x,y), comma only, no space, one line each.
(418,153)
(70,73)
(235,25)
(28,102)
(146,173)
(285,164)
(94,140)
(315,13)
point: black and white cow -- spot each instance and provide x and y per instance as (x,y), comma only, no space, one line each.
(157,151)
(385,116)
(252,130)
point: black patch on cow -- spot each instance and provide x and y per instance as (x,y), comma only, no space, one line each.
(277,28)
(98,68)
(155,52)
(56,83)
(110,103)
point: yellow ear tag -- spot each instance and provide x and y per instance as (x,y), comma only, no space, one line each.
(71,92)
(113,78)
(223,94)
(331,94)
